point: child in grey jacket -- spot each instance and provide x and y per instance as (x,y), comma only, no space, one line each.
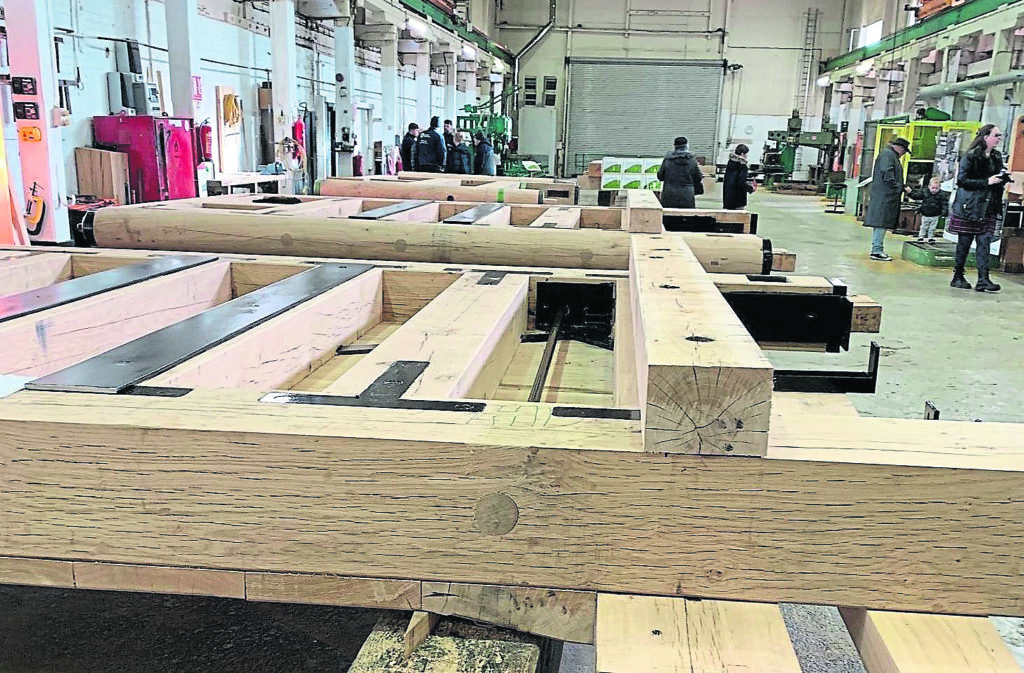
(934,204)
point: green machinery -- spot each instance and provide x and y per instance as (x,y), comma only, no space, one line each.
(486,118)
(778,160)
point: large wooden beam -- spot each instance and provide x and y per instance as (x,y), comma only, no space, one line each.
(29,272)
(59,337)
(899,642)
(302,488)
(643,212)
(468,334)
(676,635)
(354,239)
(288,347)
(430,189)
(562,615)
(705,386)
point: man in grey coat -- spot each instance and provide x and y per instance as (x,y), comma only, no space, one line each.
(887,190)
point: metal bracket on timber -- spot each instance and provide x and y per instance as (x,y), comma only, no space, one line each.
(25,303)
(805,381)
(385,392)
(796,318)
(124,367)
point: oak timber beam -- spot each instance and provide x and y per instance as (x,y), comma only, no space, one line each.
(558,218)
(643,212)
(353,239)
(677,635)
(783,260)
(705,386)
(28,272)
(56,338)
(436,190)
(468,334)
(867,314)
(562,615)
(420,485)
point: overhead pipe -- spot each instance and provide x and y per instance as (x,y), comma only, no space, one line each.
(981,83)
(534,41)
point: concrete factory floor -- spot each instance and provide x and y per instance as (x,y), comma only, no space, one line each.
(960,349)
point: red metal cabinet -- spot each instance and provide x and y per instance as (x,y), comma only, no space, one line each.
(161,154)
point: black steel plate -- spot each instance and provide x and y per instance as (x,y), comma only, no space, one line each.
(473,214)
(795,318)
(120,368)
(25,303)
(387,211)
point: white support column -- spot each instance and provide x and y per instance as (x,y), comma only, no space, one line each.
(423,111)
(394,126)
(183,53)
(283,62)
(997,107)
(345,71)
(451,78)
(950,73)
(30,35)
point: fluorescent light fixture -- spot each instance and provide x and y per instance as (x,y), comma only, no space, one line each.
(468,52)
(824,80)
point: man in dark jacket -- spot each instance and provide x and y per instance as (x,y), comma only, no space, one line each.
(735,186)
(449,143)
(430,152)
(408,144)
(459,160)
(680,176)
(887,190)
(483,160)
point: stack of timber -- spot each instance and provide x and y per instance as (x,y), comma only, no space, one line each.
(360,432)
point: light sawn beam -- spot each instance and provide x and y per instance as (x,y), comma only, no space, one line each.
(705,386)
(676,635)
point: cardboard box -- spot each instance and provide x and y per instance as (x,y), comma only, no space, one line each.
(633,181)
(653,183)
(651,166)
(588,182)
(594,169)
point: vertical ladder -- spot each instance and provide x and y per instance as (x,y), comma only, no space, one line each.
(808,73)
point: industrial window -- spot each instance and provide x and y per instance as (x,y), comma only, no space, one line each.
(530,91)
(550,90)
(870,34)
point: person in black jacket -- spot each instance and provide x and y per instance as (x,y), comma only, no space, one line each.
(887,189)
(680,176)
(449,143)
(735,186)
(977,206)
(408,145)
(483,160)
(430,151)
(459,159)
(934,204)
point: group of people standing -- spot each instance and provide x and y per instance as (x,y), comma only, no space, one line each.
(429,151)
(973,215)
(682,179)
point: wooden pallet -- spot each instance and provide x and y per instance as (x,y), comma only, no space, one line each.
(658,472)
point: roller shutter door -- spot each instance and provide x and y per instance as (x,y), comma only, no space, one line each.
(635,108)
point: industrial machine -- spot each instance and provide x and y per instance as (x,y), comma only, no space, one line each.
(161,154)
(778,160)
(487,118)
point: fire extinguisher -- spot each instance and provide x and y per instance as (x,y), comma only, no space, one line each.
(299,135)
(205,132)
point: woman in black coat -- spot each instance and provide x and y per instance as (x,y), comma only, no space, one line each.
(681,177)
(736,186)
(977,206)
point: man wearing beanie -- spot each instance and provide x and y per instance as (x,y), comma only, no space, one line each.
(680,176)
(430,151)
